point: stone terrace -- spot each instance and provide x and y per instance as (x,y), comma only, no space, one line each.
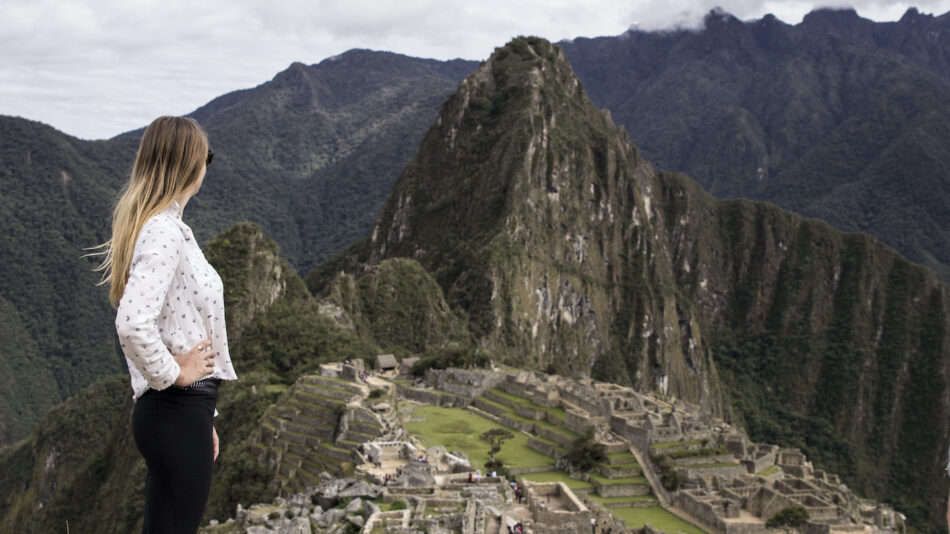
(315,427)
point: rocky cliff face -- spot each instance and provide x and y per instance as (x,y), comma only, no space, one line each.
(567,251)
(559,247)
(837,117)
(253,272)
(537,216)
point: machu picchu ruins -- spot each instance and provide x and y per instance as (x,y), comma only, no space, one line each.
(353,453)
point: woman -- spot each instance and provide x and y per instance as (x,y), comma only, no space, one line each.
(170,322)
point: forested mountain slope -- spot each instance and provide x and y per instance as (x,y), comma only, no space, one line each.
(566,250)
(309,155)
(528,226)
(838,117)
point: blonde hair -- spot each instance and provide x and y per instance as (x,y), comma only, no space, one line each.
(170,160)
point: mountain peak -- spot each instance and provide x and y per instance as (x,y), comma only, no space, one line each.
(473,159)
(526,62)
(837,21)
(718,15)
(522,174)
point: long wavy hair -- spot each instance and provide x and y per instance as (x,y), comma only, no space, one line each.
(170,161)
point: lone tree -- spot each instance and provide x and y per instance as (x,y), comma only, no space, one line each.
(585,454)
(495,437)
(793,516)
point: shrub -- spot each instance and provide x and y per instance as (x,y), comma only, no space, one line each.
(671,477)
(792,516)
(452,356)
(495,438)
(398,505)
(585,454)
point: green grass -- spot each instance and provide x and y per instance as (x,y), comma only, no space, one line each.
(443,510)
(556,411)
(557,446)
(615,481)
(622,456)
(388,506)
(458,429)
(668,444)
(658,517)
(556,476)
(768,471)
(612,500)
(510,412)
(622,466)
(710,465)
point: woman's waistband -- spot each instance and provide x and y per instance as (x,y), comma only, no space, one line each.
(209,384)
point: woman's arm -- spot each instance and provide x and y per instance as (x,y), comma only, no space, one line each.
(154,262)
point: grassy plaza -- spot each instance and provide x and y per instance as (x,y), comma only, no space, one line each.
(457,429)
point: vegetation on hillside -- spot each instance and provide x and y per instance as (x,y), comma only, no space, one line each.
(585,454)
(309,156)
(837,117)
(535,229)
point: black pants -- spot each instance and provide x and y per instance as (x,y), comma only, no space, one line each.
(172,429)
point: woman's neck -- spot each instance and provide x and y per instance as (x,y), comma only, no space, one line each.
(182,201)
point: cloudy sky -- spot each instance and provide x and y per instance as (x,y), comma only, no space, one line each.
(96,68)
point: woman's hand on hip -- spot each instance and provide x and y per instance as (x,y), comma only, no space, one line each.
(195,364)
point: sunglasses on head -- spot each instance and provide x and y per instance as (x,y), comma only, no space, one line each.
(210,157)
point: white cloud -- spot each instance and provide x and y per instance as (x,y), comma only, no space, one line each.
(97,68)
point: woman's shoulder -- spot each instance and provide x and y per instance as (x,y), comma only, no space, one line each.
(163,227)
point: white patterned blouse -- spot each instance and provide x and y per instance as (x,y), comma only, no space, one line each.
(173,300)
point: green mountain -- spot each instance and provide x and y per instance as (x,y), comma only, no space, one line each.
(56,199)
(309,155)
(845,118)
(838,117)
(80,465)
(529,225)
(565,250)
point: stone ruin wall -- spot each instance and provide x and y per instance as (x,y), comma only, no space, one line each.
(708,516)
(544,448)
(595,409)
(568,521)
(433,398)
(639,436)
(700,510)
(462,382)
(697,460)
(758,464)
(729,472)
(640,428)
(576,421)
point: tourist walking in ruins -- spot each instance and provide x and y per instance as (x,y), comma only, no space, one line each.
(170,323)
